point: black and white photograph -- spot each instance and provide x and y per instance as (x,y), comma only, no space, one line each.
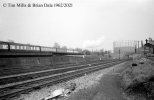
(76,49)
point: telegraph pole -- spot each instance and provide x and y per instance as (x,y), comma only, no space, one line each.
(119,53)
(135,48)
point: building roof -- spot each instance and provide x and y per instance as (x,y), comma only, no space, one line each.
(152,43)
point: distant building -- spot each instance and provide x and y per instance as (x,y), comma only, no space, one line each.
(123,48)
(149,46)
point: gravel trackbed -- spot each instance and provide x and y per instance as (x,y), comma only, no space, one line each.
(101,85)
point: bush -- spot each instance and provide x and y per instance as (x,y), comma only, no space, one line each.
(139,79)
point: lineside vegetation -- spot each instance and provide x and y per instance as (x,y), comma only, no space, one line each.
(138,79)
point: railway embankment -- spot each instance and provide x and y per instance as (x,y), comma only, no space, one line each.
(138,79)
(17,65)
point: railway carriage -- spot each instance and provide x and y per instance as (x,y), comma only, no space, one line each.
(69,50)
(61,50)
(47,49)
(17,47)
(34,48)
(4,46)
(75,51)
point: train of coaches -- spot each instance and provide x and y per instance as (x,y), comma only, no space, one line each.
(11,46)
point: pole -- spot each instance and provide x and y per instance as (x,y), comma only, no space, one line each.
(119,53)
(135,48)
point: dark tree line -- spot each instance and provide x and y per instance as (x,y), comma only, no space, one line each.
(100,52)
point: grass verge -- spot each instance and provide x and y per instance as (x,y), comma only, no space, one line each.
(138,79)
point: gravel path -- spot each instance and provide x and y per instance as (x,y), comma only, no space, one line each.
(104,85)
(84,83)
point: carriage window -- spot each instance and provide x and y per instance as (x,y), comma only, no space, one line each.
(31,48)
(12,47)
(21,47)
(53,49)
(17,47)
(5,46)
(37,48)
(25,47)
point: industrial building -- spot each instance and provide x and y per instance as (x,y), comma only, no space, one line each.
(123,48)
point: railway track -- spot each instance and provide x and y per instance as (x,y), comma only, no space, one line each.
(30,81)
(7,71)
(151,58)
(31,75)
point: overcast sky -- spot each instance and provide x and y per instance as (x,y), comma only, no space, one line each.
(92,24)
